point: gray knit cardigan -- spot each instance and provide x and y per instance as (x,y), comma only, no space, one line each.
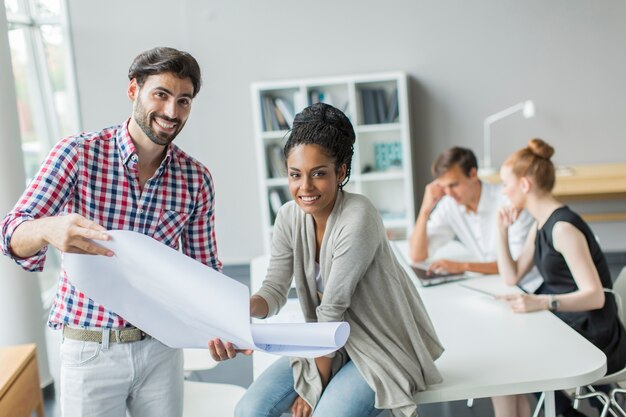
(392,340)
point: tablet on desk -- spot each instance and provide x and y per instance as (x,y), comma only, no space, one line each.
(430,278)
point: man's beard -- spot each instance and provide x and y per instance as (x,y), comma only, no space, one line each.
(143,120)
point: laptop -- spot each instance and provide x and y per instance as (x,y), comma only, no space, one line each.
(420,271)
(427,279)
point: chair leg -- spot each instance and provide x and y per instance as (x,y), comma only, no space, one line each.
(579,391)
(540,401)
(614,402)
(602,397)
(470,402)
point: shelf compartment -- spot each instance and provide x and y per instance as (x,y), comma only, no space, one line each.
(278,108)
(377,102)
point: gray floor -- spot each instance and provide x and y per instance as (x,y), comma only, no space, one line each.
(239,370)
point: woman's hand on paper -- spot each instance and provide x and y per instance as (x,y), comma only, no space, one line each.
(524,303)
(300,408)
(221,351)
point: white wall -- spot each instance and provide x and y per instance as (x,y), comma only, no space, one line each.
(466,60)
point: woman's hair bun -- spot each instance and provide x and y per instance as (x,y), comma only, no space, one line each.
(540,148)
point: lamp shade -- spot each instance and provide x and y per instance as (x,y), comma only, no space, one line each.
(529,109)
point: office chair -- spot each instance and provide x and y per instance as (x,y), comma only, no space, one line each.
(609,402)
(206,398)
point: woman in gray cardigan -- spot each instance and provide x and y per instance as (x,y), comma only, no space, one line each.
(334,245)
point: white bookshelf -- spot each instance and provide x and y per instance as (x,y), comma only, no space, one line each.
(381,167)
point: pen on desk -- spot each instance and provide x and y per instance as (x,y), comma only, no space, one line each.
(492,295)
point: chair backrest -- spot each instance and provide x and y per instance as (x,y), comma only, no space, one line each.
(197,360)
(619,289)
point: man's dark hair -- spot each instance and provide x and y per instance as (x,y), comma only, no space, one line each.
(323,125)
(462,157)
(163,59)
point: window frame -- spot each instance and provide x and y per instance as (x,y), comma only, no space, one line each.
(46,120)
(46,111)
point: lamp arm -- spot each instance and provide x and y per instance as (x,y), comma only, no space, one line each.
(487,145)
(487,132)
(504,113)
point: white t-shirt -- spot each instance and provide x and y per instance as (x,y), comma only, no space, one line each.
(478,231)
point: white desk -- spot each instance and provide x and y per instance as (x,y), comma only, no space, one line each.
(492,351)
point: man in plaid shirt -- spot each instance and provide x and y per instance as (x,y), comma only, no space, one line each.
(130,177)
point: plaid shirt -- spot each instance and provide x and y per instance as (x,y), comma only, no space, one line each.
(96,176)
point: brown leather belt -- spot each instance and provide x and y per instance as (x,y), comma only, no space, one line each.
(125,335)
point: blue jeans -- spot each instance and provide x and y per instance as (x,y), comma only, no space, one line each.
(271,395)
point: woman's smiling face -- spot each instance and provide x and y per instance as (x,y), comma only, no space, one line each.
(314,180)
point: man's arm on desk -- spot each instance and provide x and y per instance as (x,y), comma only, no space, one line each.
(447,266)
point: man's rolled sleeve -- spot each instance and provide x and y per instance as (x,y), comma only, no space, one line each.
(45,196)
(33,263)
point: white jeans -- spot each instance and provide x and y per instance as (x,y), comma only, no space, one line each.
(143,377)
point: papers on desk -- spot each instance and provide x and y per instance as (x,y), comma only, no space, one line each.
(184,303)
(478,290)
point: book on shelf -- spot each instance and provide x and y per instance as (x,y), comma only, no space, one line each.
(270,121)
(368,106)
(381,105)
(392,109)
(265,115)
(277,197)
(377,108)
(286,109)
(276,161)
(282,122)
(278,113)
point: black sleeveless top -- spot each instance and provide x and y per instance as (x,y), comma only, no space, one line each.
(601,327)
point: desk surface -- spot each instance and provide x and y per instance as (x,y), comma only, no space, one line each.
(13,361)
(489,349)
(20,392)
(492,351)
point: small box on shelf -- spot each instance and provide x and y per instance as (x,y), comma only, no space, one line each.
(387,156)
(381,152)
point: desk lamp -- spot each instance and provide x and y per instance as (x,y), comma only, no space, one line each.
(528,110)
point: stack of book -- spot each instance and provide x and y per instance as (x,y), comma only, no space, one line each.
(278,113)
(377,107)
(277,197)
(276,165)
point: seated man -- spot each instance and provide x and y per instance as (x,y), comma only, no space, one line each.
(457,204)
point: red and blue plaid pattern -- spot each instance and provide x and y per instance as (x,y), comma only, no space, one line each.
(95,175)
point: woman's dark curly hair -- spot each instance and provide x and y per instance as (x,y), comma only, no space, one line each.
(327,127)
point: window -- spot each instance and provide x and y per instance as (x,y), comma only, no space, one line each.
(45,86)
(44,76)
